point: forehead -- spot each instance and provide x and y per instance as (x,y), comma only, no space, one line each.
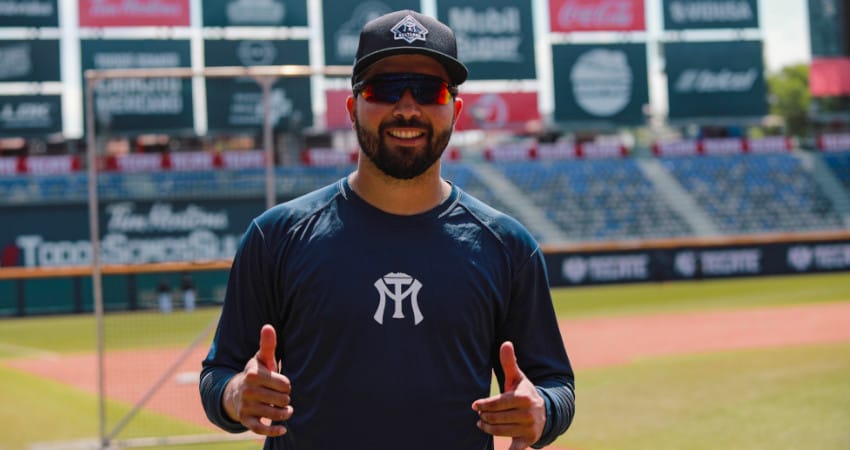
(409,64)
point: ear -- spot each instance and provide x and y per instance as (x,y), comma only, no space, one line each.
(349,106)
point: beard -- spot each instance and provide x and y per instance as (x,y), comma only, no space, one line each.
(404,163)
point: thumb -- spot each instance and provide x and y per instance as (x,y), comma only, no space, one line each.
(268,342)
(513,374)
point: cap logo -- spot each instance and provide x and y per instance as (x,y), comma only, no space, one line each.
(409,30)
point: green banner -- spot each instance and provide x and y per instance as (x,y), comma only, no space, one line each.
(29,13)
(238,103)
(710,14)
(31,61)
(715,79)
(827,30)
(343,19)
(30,115)
(266,13)
(600,84)
(137,105)
(495,38)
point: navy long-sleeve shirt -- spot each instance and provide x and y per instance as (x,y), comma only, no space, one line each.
(389,326)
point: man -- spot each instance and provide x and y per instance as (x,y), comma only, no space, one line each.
(371,314)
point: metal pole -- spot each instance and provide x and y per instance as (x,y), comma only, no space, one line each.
(268,144)
(94,232)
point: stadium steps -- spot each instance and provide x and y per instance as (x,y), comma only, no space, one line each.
(524,209)
(829,184)
(677,197)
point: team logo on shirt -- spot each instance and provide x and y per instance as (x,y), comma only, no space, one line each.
(398,286)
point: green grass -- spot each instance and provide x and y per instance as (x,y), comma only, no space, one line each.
(773,399)
(758,399)
(683,296)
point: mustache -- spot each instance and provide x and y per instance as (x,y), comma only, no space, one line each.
(413,122)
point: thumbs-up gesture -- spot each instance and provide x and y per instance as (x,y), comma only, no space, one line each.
(260,394)
(519,412)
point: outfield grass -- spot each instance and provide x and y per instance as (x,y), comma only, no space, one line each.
(756,399)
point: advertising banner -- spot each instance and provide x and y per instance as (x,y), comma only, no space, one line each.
(265,13)
(681,263)
(498,111)
(600,83)
(31,61)
(140,104)
(568,16)
(238,103)
(134,232)
(495,38)
(134,13)
(829,27)
(29,13)
(30,115)
(343,19)
(710,14)
(715,79)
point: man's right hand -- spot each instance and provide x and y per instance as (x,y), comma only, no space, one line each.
(260,394)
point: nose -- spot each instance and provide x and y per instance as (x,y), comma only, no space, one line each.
(406,107)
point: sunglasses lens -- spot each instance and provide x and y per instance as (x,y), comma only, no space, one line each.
(426,90)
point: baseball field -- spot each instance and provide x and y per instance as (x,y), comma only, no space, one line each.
(750,364)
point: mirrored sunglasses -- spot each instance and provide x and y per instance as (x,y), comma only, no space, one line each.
(390,87)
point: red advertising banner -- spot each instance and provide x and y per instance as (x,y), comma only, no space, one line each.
(336,116)
(830,77)
(134,13)
(568,16)
(498,111)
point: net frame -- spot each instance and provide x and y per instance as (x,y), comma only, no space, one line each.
(265,77)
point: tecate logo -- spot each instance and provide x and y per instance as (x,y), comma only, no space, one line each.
(704,81)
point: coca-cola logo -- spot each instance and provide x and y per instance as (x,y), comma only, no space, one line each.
(598,15)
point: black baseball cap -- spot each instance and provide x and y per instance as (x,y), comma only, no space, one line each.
(408,32)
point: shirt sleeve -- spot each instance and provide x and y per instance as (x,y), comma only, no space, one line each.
(532,326)
(247,307)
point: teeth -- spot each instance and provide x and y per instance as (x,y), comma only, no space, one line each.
(405,134)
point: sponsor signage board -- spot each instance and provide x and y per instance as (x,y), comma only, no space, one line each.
(29,13)
(828,32)
(690,263)
(30,115)
(238,102)
(133,13)
(495,38)
(497,110)
(710,14)
(600,83)
(567,16)
(140,104)
(343,19)
(32,61)
(265,13)
(715,79)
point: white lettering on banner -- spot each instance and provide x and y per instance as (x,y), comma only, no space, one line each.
(702,81)
(556,150)
(770,144)
(731,262)
(120,249)
(139,162)
(489,35)
(836,141)
(722,146)
(256,53)
(26,9)
(606,268)
(123,60)
(50,165)
(15,61)
(26,115)
(246,108)
(602,82)
(711,11)
(8,165)
(820,257)
(678,148)
(601,15)
(192,161)
(243,159)
(135,8)
(162,217)
(255,12)
(143,104)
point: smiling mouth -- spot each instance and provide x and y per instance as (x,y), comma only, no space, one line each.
(406,133)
